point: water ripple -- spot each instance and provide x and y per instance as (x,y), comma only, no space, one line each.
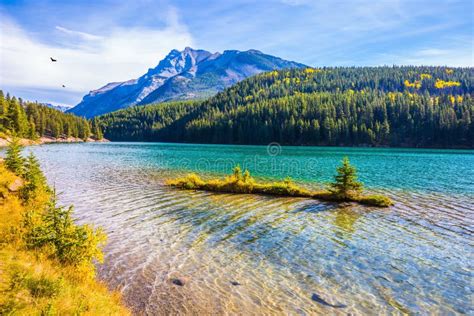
(249,255)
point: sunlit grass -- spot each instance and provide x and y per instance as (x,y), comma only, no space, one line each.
(32,282)
(245,184)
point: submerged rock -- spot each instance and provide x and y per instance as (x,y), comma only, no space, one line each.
(235,283)
(179,282)
(315,297)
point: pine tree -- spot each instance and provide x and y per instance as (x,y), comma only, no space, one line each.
(17,118)
(32,132)
(34,177)
(345,183)
(13,160)
(96,131)
(84,130)
(3,111)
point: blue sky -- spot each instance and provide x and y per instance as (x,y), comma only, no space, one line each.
(102,41)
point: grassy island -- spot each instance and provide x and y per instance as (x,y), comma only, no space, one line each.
(345,187)
(46,260)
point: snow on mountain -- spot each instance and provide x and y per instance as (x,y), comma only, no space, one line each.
(181,75)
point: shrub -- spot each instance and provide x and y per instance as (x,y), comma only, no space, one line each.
(237,173)
(44,286)
(35,179)
(55,278)
(13,160)
(71,244)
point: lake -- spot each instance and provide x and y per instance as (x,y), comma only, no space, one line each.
(251,254)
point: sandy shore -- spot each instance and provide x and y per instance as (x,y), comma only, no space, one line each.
(48,140)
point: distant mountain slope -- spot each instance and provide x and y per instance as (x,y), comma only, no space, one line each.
(366,106)
(62,108)
(185,75)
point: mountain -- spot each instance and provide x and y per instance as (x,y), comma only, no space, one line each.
(181,75)
(342,106)
(62,108)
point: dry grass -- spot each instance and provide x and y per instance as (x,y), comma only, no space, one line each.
(32,283)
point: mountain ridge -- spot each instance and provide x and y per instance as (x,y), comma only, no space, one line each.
(397,106)
(181,75)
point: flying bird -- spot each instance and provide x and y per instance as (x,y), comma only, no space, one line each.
(53,60)
(64,86)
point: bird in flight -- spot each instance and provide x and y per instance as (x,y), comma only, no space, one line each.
(53,60)
(64,86)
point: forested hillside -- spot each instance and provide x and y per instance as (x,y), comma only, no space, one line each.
(375,106)
(32,120)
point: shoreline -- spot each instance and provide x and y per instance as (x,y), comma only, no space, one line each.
(36,278)
(62,140)
(299,145)
(50,140)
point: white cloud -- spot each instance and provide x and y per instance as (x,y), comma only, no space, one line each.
(85,61)
(456,56)
(433,52)
(81,35)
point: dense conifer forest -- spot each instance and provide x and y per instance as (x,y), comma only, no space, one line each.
(32,120)
(365,106)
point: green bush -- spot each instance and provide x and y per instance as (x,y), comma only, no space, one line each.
(13,160)
(71,244)
(41,286)
(35,179)
(44,287)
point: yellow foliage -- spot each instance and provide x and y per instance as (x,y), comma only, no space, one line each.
(392,96)
(33,283)
(273,73)
(425,76)
(261,91)
(411,95)
(449,71)
(310,71)
(452,99)
(440,84)
(416,84)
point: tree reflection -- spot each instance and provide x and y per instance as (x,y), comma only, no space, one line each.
(345,219)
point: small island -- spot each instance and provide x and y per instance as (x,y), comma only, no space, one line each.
(345,187)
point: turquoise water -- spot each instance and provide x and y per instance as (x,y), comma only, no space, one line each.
(415,257)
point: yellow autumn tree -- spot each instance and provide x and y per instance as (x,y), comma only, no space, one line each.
(441,84)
